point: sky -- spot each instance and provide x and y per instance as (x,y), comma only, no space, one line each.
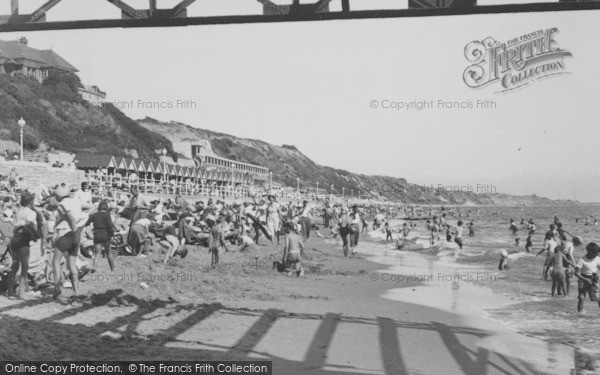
(312,85)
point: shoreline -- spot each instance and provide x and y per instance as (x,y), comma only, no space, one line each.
(584,358)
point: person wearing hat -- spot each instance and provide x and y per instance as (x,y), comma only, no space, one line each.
(67,234)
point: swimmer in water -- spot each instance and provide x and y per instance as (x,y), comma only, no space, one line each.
(448,233)
(388,232)
(549,246)
(503,264)
(528,244)
(587,270)
(513,227)
(405,231)
(471,229)
(557,263)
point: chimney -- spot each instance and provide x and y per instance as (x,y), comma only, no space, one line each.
(23,40)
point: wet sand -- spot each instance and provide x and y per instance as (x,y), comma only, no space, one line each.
(342,318)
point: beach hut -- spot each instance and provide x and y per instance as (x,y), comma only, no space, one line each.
(141,167)
(150,169)
(94,161)
(131,165)
(121,164)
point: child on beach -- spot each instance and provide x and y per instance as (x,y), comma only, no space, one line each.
(216,241)
(388,232)
(246,243)
(405,231)
(293,250)
(587,270)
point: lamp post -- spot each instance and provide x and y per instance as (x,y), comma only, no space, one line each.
(21,124)
(164,154)
(232,169)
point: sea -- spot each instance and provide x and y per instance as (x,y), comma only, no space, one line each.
(532,310)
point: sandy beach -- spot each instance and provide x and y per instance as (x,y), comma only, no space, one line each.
(346,316)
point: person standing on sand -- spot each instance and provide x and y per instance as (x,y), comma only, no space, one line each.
(344,224)
(587,271)
(327,215)
(293,250)
(216,241)
(274,216)
(354,228)
(103,232)
(305,220)
(365,224)
(67,232)
(12,178)
(29,226)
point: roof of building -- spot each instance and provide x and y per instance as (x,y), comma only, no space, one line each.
(93,160)
(16,51)
(100,161)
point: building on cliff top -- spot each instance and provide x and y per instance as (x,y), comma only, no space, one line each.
(17,57)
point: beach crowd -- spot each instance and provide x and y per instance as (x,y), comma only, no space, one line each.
(56,236)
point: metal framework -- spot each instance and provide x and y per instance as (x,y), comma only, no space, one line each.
(272,12)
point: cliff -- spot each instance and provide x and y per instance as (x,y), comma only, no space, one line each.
(289,164)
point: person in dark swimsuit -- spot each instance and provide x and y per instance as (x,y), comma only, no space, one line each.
(103,232)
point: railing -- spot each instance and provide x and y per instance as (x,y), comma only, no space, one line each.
(116,186)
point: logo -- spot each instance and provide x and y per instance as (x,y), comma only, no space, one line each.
(515,63)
